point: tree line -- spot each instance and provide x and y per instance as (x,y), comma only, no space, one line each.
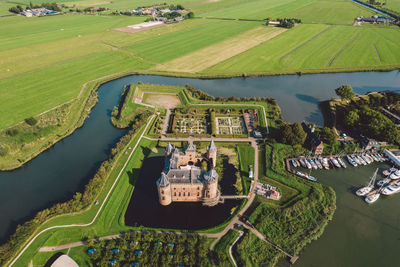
(79,201)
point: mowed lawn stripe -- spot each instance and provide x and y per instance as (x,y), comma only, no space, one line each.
(266,56)
(212,55)
(32,93)
(167,47)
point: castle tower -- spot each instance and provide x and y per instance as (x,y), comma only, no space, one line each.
(211,185)
(164,190)
(168,149)
(212,154)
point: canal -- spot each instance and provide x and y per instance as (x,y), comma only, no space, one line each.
(360,234)
(56,174)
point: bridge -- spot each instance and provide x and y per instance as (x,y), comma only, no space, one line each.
(234,196)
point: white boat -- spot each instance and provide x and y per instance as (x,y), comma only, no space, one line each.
(341,161)
(335,162)
(362,161)
(314,166)
(306,176)
(395,175)
(294,163)
(383,182)
(366,189)
(372,198)
(366,159)
(351,161)
(370,158)
(355,158)
(325,163)
(319,165)
(391,189)
(375,157)
(308,164)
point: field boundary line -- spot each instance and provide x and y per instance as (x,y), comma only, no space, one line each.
(102,204)
(341,50)
(377,53)
(304,43)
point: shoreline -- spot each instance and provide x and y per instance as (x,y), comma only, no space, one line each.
(94,85)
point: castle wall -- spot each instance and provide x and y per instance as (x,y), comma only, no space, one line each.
(187,192)
(211,190)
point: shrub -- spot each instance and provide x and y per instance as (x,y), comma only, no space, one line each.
(31,121)
(12,132)
(3,151)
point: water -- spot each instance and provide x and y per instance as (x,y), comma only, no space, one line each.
(360,234)
(56,174)
(144,208)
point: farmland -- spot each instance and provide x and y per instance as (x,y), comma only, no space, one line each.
(47,61)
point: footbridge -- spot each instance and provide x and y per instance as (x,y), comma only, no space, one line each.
(234,196)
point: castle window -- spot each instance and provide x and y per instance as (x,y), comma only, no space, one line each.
(198,194)
(174,194)
(163,198)
(162,191)
(198,188)
(183,193)
(179,193)
(188,194)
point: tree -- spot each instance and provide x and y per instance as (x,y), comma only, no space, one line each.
(292,134)
(351,118)
(189,15)
(345,91)
(328,135)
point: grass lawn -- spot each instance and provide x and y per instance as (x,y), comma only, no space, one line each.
(222,247)
(246,159)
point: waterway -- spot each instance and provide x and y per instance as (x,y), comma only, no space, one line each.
(64,169)
(360,234)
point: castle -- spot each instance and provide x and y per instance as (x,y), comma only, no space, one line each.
(182,179)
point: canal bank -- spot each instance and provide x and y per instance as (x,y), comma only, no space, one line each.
(64,169)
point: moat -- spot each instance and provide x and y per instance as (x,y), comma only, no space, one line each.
(64,169)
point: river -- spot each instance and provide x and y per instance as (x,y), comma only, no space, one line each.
(56,174)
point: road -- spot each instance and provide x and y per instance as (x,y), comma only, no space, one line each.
(230,248)
(217,236)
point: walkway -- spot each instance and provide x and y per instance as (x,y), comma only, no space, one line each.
(230,248)
(164,127)
(101,206)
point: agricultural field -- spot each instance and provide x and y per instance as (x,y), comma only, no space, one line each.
(310,47)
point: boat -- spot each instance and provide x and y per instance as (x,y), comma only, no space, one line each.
(351,161)
(355,158)
(335,162)
(308,164)
(319,165)
(391,189)
(366,189)
(341,161)
(306,176)
(371,159)
(383,182)
(314,166)
(362,161)
(375,157)
(372,198)
(395,175)
(294,163)
(302,163)
(325,163)
(366,159)
(386,172)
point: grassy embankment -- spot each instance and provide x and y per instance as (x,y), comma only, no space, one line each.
(221,249)
(294,222)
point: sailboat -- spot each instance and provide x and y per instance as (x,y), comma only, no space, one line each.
(366,189)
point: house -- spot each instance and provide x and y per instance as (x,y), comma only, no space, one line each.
(27,13)
(317,147)
(368,143)
(178,19)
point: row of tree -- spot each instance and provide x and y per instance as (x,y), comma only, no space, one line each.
(152,249)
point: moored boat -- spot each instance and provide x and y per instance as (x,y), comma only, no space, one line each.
(366,189)
(294,164)
(314,166)
(325,163)
(308,164)
(383,182)
(391,189)
(395,175)
(351,161)
(341,161)
(319,165)
(302,163)
(372,198)
(335,162)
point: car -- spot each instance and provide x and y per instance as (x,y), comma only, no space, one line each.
(344,135)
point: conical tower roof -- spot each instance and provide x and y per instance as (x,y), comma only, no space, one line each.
(211,176)
(190,147)
(212,146)
(163,181)
(169,148)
